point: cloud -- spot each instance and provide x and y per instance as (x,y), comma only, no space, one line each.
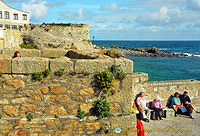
(193,4)
(38,9)
(111,7)
(73,15)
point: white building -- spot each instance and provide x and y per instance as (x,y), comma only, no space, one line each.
(11,18)
(11,22)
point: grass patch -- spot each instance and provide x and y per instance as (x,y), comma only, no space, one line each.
(60,72)
(27,46)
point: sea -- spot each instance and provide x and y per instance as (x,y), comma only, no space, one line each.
(164,68)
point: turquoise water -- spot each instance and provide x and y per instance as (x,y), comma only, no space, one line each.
(164,68)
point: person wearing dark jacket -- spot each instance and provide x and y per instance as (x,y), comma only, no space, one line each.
(186,101)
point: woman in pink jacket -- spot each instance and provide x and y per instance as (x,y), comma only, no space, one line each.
(157,107)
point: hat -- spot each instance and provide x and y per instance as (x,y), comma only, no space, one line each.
(158,98)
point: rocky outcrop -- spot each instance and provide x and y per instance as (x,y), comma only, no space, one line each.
(67,37)
(144,52)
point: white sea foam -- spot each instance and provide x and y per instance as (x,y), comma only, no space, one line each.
(163,49)
(192,55)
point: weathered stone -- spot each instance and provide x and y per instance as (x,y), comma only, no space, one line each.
(28,107)
(63,98)
(62,63)
(53,110)
(45,90)
(81,54)
(87,91)
(86,107)
(53,53)
(93,126)
(14,84)
(43,134)
(12,111)
(123,121)
(53,123)
(63,133)
(19,100)
(126,65)
(127,82)
(29,65)
(93,66)
(51,98)
(5,63)
(58,90)
(23,52)
(20,132)
(149,90)
(4,101)
(114,107)
(79,99)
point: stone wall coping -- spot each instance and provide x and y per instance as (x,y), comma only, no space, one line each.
(173,82)
(140,74)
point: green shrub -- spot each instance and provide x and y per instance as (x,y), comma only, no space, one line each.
(104,80)
(27,46)
(121,75)
(101,109)
(47,29)
(26,74)
(59,72)
(81,114)
(56,116)
(46,72)
(37,76)
(29,116)
(1,74)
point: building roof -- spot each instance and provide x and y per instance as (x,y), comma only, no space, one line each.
(13,8)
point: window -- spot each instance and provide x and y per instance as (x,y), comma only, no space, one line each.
(1,15)
(24,17)
(20,27)
(7,15)
(7,26)
(1,26)
(15,16)
(14,27)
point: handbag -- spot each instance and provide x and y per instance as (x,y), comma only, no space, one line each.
(182,109)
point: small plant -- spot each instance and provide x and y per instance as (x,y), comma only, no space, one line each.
(46,72)
(88,114)
(37,76)
(56,116)
(101,109)
(74,60)
(121,75)
(73,73)
(86,73)
(81,114)
(3,81)
(59,72)
(26,74)
(104,81)
(29,116)
(47,29)
(27,46)
(1,74)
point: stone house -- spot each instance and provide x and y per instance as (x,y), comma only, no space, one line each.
(11,20)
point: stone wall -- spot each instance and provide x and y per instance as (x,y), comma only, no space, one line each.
(165,89)
(63,96)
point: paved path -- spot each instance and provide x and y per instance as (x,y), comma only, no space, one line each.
(175,126)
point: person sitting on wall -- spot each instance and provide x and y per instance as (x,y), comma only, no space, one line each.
(142,106)
(17,54)
(176,102)
(186,101)
(157,107)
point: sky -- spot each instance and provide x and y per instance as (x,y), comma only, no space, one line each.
(121,19)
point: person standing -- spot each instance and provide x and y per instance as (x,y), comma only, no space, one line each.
(142,106)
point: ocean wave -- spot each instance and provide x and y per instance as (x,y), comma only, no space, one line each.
(192,55)
(163,49)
